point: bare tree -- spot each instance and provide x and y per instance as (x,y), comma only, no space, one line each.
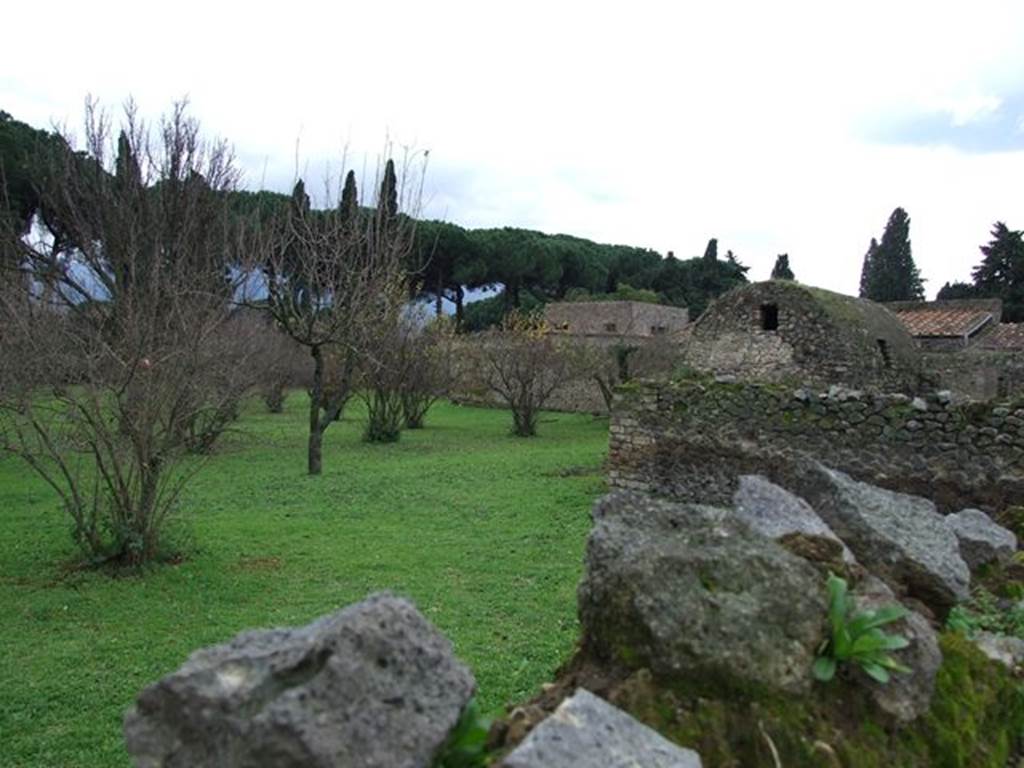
(111,353)
(334,279)
(524,364)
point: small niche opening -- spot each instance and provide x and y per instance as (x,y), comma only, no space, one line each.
(883,347)
(659,330)
(611,327)
(769,317)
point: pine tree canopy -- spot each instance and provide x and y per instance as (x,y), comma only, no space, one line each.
(1001,271)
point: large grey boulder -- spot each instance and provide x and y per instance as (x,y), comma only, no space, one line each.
(899,537)
(585,731)
(685,591)
(982,540)
(777,513)
(907,695)
(374,684)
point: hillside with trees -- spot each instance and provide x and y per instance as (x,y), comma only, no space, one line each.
(527,267)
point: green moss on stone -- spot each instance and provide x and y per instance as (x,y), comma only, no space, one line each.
(976,720)
(977,715)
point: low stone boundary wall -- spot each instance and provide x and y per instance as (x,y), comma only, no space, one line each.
(690,439)
(979,374)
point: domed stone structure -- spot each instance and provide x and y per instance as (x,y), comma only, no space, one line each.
(782,331)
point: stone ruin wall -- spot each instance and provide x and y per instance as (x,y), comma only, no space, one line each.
(978,374)
(616,318)
(690,439)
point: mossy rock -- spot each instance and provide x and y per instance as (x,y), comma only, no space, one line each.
(1013,519)
(976,721)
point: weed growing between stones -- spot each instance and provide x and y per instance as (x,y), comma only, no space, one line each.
(857,638)
(985,612)
(467,744)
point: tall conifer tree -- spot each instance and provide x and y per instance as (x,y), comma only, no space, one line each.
(388,202)
(711,252)
(349,206)
(867,270)
(889,272)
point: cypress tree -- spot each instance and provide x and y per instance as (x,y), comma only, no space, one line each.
(781,270)
(126,171)
(388,202)
(889,272)
(867,271)
(349,206)
(711,252)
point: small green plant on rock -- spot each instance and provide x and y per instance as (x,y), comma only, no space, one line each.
(857,638)
(466,746)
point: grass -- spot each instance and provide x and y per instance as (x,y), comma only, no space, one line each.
(483,530)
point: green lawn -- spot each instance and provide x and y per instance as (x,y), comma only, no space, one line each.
(483,530)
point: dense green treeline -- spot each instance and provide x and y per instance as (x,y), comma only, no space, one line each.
(531,268)
(528,267)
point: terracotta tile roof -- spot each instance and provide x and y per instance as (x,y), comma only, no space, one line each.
(943,321)
(1005,336)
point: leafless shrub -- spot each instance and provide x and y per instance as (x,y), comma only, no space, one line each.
(335,280)
(524,364)
(384,368)
(112,348)
(432,374)
(407,371)
(278,365)
(233,361)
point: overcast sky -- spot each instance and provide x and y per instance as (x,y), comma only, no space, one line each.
(773,126)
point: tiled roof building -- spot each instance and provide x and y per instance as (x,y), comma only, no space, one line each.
(1007,337)
(948,325)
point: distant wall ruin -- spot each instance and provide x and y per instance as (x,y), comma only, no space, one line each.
(691,438)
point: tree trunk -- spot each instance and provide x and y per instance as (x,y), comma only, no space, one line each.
(142,516)
(439,290)
(459,295)
(314,461)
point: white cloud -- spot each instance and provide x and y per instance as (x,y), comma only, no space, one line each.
(643,123)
